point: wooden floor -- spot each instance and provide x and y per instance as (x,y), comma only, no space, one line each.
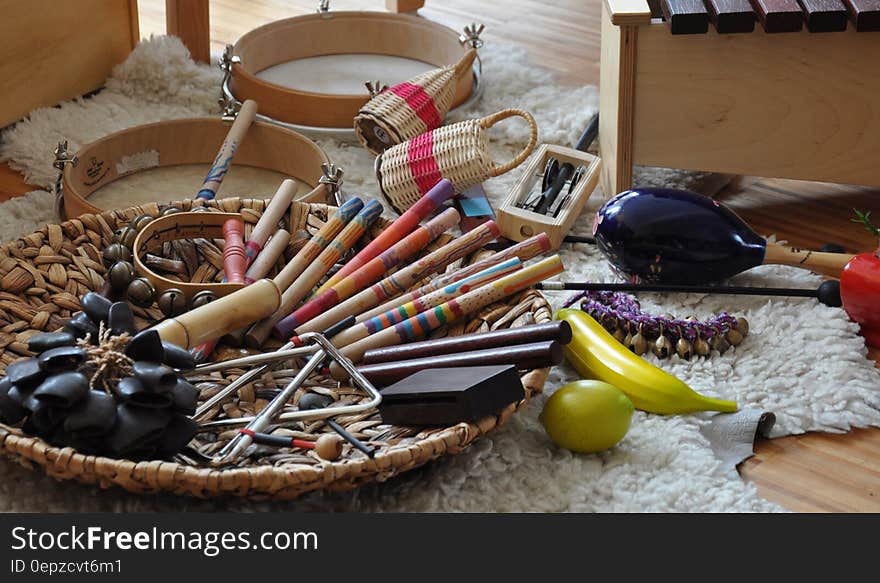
(809,473)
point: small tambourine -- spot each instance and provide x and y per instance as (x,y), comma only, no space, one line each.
(184,225)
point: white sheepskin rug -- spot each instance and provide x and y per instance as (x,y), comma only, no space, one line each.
(802,361)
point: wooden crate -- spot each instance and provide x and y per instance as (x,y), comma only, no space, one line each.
(793,105)
(56,50)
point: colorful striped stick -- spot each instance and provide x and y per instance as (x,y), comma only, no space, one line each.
(223,161)
(318,242)
(424,303)
(426,205)
(528,249)
(421,324)
(268,222)
(312,274)
(369,273)
(398,282)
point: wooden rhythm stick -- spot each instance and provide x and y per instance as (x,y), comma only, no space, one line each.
(318,242)
(370,272)
(263,263)
(223,161)
(268,222)
(558,330)
(421,324)
(426,205)
(318,268)
(524,356)
(528,249)
(425,303)
(398,282)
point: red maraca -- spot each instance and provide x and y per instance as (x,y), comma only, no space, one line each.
(860,288)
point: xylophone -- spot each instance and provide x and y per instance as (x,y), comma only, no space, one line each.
(741,87)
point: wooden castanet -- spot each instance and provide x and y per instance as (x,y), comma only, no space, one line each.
(824,15)
(865,14)
(730,16)
(525,356)
(779,15)
(243,120)
(222,316)
(685,16)
(558,330)
(676,236)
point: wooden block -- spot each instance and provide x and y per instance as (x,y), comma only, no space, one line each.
(54,51)
(686,16)
(189,20)
(824,15)
(779,15)
(444,396)
(730,16)
(865,14)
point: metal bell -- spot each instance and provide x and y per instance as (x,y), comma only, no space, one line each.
(684,348)
(742,326)
(121,274)
(116,252)
(203,297)
(619,335)
(720,344)
(139,222)
(171,210)
(733,337)
(662,346)
(127,236)
(172,302)
(638,343)
(701,347)
(141,292)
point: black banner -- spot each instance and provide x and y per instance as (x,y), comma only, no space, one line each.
(383,547)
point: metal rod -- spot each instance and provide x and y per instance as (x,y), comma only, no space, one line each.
(252,359)
(242,441)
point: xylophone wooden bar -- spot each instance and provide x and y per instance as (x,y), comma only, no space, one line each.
(731,16)
(685,16)
(824,15)
(779,15)
(865,14)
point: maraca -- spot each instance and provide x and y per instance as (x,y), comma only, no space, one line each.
(680,237)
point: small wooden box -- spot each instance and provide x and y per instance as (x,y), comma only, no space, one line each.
(55,50)
(518,224)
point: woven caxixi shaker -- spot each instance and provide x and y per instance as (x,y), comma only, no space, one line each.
(410,108)
(458,152)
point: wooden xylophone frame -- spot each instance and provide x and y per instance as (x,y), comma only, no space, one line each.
(789,105)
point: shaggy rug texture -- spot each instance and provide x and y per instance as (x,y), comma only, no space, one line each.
(802,361)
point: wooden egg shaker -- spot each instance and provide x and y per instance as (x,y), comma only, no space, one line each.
(518,224)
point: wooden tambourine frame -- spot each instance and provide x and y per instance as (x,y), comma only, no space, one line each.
(336,33)
(188,141)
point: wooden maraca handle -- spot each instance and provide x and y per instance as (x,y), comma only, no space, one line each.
(830,264)
(243,120)
(222,316)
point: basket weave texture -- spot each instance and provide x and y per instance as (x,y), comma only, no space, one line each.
(458,152)
(43,274)
(406,110)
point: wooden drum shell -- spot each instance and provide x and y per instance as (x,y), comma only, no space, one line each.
(189,141)
(336,33)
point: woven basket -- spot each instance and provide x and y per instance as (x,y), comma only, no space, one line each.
(458,152)
(42,275)
(411,108)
